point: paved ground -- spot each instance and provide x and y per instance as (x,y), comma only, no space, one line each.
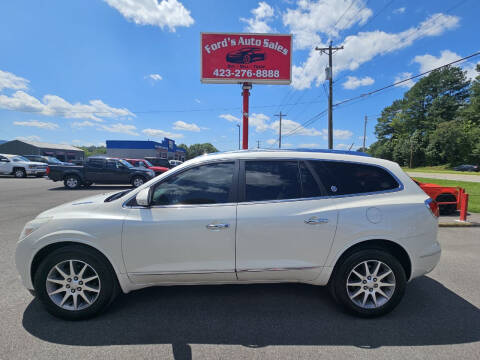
(439,318)
(457,177)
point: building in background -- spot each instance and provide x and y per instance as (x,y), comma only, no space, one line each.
(139,149)
(26,147)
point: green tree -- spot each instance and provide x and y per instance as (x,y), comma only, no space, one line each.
(198,149)
(93,150)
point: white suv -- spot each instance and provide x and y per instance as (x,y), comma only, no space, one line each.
(19,166)
(355,223)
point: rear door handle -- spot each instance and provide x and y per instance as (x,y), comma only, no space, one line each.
(217,226)
(315,221)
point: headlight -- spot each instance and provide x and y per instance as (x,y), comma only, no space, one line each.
(33,225)
(31,166)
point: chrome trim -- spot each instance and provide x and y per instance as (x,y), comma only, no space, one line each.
(315,221)
(217,226)
(188,272)
(280,269)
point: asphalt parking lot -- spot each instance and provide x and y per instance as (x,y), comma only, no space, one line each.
(438,318)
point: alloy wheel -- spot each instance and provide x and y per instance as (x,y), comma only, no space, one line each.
(72,182)
(73,285)
(370,284)
(137,182)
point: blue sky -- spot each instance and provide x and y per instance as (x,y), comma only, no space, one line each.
(82,72)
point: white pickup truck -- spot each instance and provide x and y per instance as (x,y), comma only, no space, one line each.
(19,166)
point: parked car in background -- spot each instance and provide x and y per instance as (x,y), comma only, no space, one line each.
(442,194)
(49,160)
(355,223)
(100,170)
(21,167)
(467,168)
(156,161)
(147,165)
(174,163)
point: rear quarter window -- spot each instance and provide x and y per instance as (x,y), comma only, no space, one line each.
(346,178)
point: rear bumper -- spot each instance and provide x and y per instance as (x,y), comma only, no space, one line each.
(426,260)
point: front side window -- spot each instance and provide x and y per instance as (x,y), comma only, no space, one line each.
(345,178)
(271,180)
(204,184)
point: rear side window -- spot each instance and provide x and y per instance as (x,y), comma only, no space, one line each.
(345,178)
(271,180)
(96,163)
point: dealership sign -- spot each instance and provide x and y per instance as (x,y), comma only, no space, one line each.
(239,58)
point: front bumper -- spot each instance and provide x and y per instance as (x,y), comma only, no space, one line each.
(36,171)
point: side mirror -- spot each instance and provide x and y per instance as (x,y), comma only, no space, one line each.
(143,197)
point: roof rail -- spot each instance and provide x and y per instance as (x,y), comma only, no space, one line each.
(344,152)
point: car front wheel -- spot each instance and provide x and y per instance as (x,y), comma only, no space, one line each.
(20,173)
(369,283)
(72,182)
(75,283)
(138,181)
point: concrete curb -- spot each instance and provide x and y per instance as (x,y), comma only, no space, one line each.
(459,224)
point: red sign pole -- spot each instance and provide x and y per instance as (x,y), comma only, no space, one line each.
(246,94)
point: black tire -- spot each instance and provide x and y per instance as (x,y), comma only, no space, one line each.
(446,209)
(338,283)
(107,280)
(72,182)
(136,181)
(19,173)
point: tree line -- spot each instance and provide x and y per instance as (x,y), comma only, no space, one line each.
(436,122)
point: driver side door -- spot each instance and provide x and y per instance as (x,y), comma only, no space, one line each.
(188,232)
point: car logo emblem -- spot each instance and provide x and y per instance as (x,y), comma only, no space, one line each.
(333,188)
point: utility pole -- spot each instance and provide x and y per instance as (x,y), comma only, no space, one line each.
(329,73)
(364,132)
(238,136)
(258,144)
(280,129)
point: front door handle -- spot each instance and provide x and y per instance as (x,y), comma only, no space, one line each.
(315,221)
(217,226)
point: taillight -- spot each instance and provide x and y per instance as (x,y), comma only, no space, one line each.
(48,170)
(433,207)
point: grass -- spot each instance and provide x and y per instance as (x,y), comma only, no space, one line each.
(441,169)
(472,188)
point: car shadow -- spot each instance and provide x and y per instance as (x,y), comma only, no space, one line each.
(94,187)
(262,315)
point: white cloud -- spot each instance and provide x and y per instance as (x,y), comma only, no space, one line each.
(164,13)
(120,128)
(230,117)
(197,101)
(259,122)
(310,146)
(80,124)
(181,125)
(405,75)
(337,134)
(38,124)
(271,141)
(161,133)
(429,62)
(311,18)
(289,126)
(261,16)
(353,82)
(471,69)
(399,10)
(342,146)
(364,46)
(12,81)
(30,138)
(53,105)
(154,77)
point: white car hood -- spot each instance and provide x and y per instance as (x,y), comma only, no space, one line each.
(86,204)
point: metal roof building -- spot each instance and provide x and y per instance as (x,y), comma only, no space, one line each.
(62,152)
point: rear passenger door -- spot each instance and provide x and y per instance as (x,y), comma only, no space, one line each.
(285,224)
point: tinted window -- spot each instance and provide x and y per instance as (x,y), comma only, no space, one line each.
(343,178)
(271,180)
(205,184)
(310,186)
(96,163)
(111,164)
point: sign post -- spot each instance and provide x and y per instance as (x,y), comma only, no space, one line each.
(235,58)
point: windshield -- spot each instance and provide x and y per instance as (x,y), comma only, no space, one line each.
(126,163)
(53,160)
(20,158)
(149,164)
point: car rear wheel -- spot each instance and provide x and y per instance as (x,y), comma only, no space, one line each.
(138,181)
(369,283)
(75,283)
(20,173)
(72,182)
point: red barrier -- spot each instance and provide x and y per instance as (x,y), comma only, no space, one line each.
(464,207)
